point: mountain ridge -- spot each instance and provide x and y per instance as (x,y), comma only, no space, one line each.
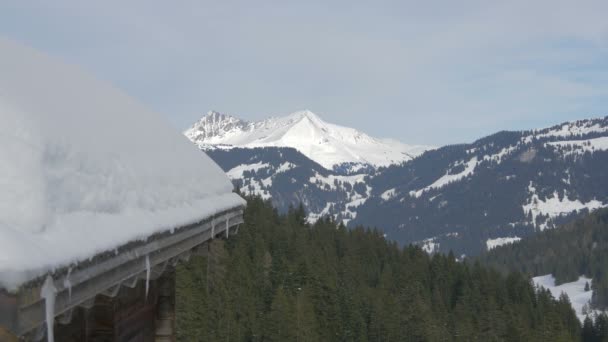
(463,197)
(330,145)
(507,185)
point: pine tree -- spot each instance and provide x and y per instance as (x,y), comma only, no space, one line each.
(281,279)
(588,332)
(279,321)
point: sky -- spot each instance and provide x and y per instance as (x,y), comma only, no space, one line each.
(423,72)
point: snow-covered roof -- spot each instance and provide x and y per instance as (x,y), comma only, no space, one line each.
(84,168)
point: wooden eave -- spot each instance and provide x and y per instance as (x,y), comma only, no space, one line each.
(23,313)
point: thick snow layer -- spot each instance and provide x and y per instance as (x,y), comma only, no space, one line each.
(447,178)
(325,143)
(76,179)
(554,206)
(575,291)
(493,243)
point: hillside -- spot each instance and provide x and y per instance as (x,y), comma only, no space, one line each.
(282,280)
(289,178)
(576,249)
(505,186)
(466,198)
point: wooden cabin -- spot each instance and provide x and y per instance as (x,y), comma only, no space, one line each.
(126,296)
(99,200)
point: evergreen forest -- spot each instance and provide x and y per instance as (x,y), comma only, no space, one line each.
(282,279)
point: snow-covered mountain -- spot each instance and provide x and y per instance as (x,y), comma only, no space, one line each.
(465,198)
(472,197)
(331,146)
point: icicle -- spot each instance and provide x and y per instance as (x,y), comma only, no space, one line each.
(68,284)
(212,229)
(147,275)
(228,228)
(48,292)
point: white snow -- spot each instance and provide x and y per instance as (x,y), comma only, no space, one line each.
(86,168)
(267,182)
(353,200)
(254,187)
(237,172)
(570,129)
(554,206)
(493,243)
(448,178)
(500,156)
(355,168)
(327,144)
(285,167)
(582,146)
(430,245)
(388,194)
(356,201)
(332,179)
(314,217)
(575,291)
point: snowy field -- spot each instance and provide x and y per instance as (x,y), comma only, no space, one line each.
(575,291)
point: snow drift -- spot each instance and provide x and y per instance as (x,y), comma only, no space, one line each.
(74,178)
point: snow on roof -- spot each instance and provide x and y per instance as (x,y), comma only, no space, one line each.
(84,168)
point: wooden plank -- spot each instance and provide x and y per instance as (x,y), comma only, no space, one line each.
(165,308)
(93,280)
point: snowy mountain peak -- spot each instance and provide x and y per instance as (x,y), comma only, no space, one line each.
(214,126)
(328,144)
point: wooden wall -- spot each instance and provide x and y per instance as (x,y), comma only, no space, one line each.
(131,316)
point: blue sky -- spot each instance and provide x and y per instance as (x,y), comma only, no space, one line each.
(432,72)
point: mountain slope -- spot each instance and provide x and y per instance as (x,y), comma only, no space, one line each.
(295,282)
(466,198)
(331,146)
(289,178)
(497,189)
(584,242)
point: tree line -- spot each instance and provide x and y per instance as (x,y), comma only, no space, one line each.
(282,279)
(575,249)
